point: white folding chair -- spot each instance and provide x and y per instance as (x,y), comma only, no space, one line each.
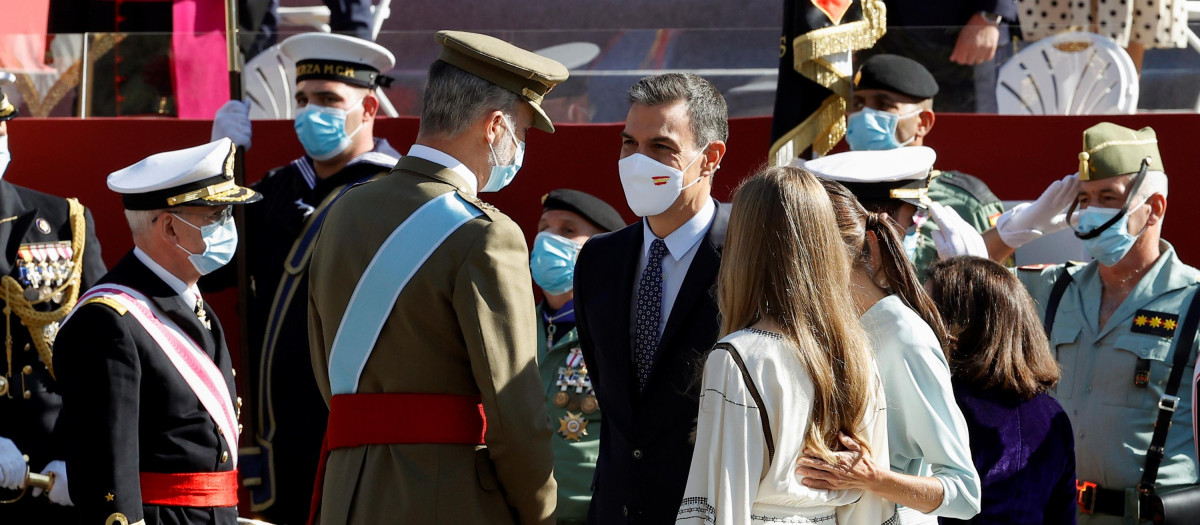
(1072,73)
(317,16)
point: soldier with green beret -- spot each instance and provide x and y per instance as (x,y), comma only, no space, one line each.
(892,107)
(421,313)
(1115,324)
(569,218)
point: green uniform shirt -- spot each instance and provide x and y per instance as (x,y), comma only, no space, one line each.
(969,197)
(1113,419)
(574,460)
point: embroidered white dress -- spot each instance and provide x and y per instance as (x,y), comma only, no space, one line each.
(732,480)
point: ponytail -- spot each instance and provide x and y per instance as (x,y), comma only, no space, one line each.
(901,276)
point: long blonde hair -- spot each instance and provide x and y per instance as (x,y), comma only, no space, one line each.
(784,260)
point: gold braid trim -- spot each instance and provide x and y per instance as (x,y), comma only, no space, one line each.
(35,320)
(822,130)
(826,126)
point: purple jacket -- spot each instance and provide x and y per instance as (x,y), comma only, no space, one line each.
(1025,453)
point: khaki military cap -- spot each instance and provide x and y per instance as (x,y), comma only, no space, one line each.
(529,75)
(1110,150)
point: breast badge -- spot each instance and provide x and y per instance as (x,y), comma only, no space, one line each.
(572,427)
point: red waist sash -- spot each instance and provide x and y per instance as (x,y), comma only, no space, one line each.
(396,419)
(190,489)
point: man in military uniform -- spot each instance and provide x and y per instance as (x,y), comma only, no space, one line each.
(892,107)
(569,219)
(1115,322)
(150,416)
(421,315)
(51,254)
(281,462)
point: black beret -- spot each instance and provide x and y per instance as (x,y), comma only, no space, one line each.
(896,74)
(596,211)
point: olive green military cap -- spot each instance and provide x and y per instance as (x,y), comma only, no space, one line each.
(1110,150)
(530,75)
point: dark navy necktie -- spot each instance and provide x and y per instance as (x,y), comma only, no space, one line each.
(649,312)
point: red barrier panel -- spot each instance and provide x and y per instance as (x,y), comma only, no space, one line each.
(1016,156)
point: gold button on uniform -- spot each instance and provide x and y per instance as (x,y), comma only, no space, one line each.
(27,370)
(224,456)
(28,394)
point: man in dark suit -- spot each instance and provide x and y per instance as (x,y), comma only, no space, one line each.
(50,254)
(645,302)
(149,408)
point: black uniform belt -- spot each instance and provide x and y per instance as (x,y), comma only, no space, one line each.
(1095,500)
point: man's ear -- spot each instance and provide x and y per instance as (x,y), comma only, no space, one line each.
(165,226)
(925,125)
(713,154)
(1158,208)
(495,123)
(370,107)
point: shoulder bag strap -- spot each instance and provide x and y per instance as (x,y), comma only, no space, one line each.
(1169,402)
(1056,295)
(762,409)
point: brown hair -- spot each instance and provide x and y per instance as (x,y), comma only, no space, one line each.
(854,221)
(997,341)
(783,260)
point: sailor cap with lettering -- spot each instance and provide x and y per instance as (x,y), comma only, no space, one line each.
(326,56)
(199,176)
(900,173)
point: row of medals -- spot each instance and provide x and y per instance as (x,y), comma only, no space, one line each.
(41,269)
(575,393)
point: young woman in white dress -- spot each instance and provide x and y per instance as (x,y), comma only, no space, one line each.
(793,369)
(929,471)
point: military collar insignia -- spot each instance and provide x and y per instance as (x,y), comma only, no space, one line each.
(1154,323)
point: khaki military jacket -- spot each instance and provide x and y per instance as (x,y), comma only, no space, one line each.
(463,325)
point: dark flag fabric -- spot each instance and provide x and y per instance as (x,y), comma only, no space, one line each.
(819,38)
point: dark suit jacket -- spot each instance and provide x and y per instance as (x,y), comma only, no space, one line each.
(646,442)
(126,409)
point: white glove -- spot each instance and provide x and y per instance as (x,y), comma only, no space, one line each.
(233,121)
(58,492)
(955,236)
(1031,220)
(12,465)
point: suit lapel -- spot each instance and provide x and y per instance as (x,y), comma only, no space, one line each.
(164,298)
(434,171)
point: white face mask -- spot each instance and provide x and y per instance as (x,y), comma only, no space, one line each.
(651,186)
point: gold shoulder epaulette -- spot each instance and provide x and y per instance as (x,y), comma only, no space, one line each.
(109,302)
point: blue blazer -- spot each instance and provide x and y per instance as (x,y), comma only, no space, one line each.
(646,442)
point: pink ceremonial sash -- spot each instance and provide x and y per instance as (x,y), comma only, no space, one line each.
(200,373)
(199,58)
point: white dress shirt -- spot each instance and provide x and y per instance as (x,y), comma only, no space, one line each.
(189,294)
(439,157)
(681,247)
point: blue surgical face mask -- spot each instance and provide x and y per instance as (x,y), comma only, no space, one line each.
(1111,245)
(872,129)
(502,175)
(220,243)
(912,241)
(5,155)
(553,262)
(322,130)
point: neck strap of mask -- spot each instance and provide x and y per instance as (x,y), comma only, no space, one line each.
(1133,189)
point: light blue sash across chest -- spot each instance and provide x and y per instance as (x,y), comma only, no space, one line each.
(403,253)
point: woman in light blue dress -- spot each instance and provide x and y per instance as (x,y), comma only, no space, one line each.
(931,473)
